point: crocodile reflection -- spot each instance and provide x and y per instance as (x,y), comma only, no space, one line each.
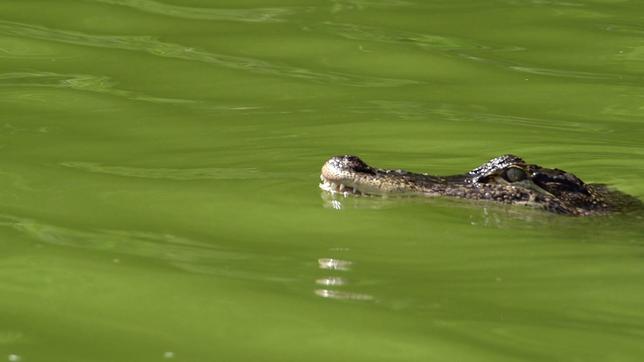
(507,179)
(330,283)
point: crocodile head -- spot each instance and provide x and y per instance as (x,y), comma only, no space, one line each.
(506,179)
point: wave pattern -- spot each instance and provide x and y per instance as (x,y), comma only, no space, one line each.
(470,50)
(408,110)
(196,256)
(368,33)
(360,5)
(151,45)
(79,82)
(260,15)
(189,174)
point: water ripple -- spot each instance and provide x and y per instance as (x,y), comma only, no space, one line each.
(566,73)
(461,48)
(471,51)
(367,33)
(351,5)
(416,110)
(625,29)
(259,15)
(8,337)
(80,82)
(546,3)
(161,246)
(195,256)
(151,45)
(617,78)
(187,174)
(16,49)
(465,49)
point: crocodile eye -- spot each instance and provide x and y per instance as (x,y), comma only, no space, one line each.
(514,174)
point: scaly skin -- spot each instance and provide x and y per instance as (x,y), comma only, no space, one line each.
(506,179)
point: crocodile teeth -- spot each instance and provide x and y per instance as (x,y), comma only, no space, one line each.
(334,188)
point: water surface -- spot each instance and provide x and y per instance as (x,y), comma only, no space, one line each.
(159,163)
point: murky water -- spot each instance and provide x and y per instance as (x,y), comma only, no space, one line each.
(159,163)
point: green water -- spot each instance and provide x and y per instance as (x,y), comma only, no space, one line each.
(159,163)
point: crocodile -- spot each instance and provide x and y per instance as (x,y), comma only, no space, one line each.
(507,179)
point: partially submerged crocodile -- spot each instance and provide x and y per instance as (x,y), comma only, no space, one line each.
(506,179)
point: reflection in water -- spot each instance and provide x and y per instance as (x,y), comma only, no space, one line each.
(168,355)
(331,281)
(158,48)
(338,201)
(334,294)
(334,264)
(481,213)
(336,281)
